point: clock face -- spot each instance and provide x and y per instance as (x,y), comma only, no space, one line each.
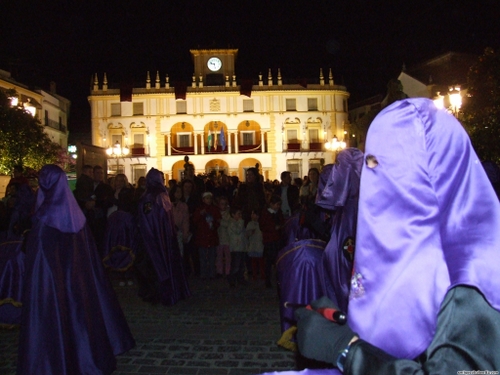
(214,64)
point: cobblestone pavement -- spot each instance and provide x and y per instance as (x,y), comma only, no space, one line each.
(218,331)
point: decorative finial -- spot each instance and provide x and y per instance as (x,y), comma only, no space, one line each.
(157,81)
(280,81)
(148,80)
(330,77)
(321,77)
(105,82)
(96,82)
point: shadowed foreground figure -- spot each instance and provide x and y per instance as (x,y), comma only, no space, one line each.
(71,321)
(424,293)
(159,265)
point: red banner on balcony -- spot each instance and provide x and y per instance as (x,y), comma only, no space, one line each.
(246,87)
(180,90)
(126,92)
(303,82)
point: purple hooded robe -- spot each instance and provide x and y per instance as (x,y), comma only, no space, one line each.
(71,322)
(159,238)
(340,194)
(428,220)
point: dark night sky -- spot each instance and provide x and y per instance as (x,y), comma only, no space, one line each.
(364,42)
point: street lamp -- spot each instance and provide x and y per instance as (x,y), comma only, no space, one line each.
(335,144)
(455,100)
(439,100)
(117,152)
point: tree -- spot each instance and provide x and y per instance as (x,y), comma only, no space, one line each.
(22,138)
(481,111)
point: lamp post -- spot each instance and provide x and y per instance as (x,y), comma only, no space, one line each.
(455,100)
(117,152)
(335,145)
(439,100)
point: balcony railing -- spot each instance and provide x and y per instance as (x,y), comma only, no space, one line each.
(297,147)
(55,125)
(137,151)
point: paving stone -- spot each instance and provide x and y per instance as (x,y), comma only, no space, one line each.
(217,331)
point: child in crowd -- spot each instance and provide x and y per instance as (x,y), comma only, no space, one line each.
(237,246)
(271,222)
(223,262)
(255,245)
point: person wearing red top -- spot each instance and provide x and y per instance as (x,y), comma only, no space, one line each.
(271,222)
(206,220)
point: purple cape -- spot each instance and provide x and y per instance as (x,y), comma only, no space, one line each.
(340,191)
(428,220)
(294,231)
(71,322)
(119,241)
(299,277)
(11,281)
(157,229)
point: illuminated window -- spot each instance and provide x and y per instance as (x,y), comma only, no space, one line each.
(138,109)
(291,136)
(116,109)
(312,104)
(291,104)
(247,105)
(138,171)
(247,138)
(313,135)
(138,140)
(293,166)
(315,163)
(184,139)
(117,138)
(181,106)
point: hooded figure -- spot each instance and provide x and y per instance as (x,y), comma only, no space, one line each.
(424,291)
(72,322)
(429,221)
(340,194)
(159,263)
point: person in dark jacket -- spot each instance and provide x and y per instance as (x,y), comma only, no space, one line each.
(206,220)
(271,223)
(289,194)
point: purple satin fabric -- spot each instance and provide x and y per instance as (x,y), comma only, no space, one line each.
(157,229)
(11,281)
(428,220)
(119,241)
(56,206)
(299,277)
(341,193)
(306,372)
(294,231)
(71,322)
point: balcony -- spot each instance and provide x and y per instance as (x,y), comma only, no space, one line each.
(293,147)
(297,147)
(316,146)
(137,151)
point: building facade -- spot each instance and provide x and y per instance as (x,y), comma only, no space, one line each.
(219,123)
(51,109)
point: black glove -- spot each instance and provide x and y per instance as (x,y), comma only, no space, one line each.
(319,338)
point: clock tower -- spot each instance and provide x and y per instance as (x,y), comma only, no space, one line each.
(214,65)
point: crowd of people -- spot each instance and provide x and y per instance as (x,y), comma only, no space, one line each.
(223,227)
